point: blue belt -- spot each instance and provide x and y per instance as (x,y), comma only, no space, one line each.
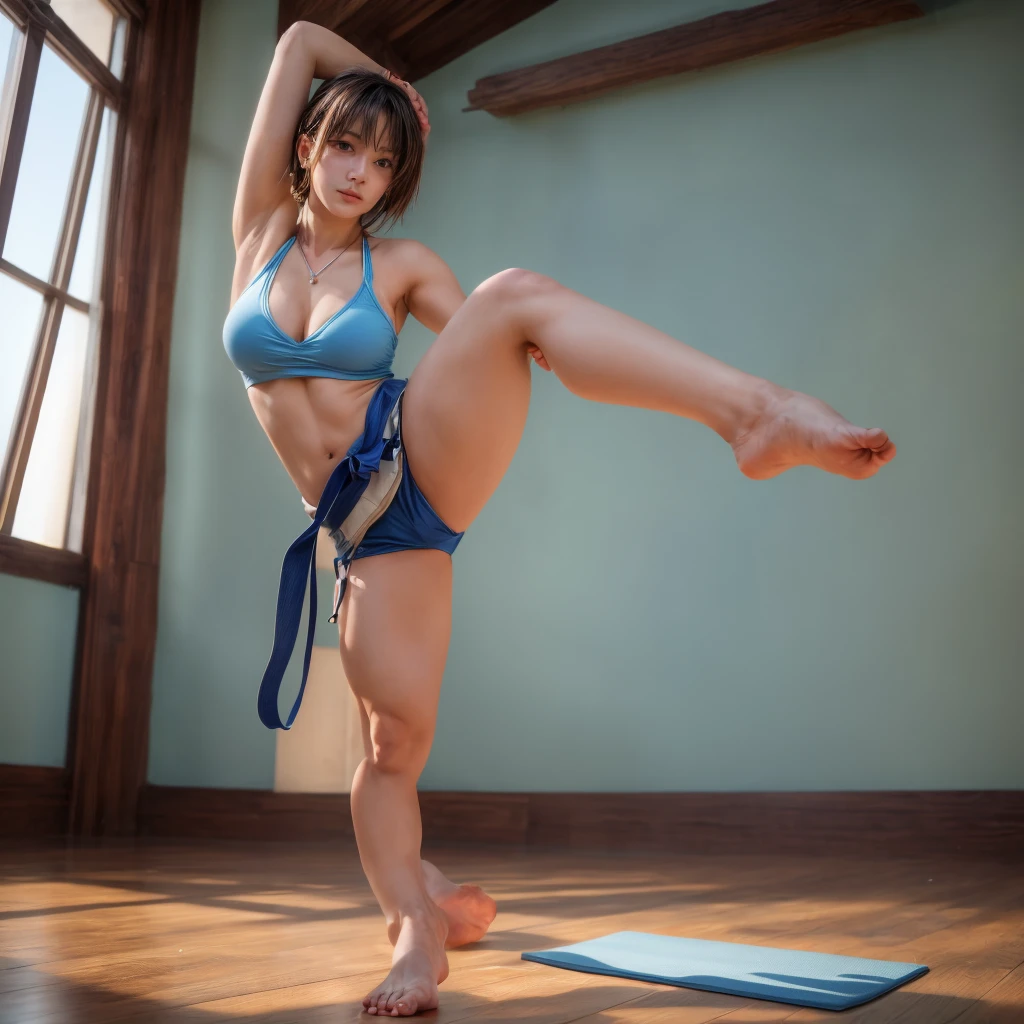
(343,489)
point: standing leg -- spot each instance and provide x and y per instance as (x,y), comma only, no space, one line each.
(467,908)
(466,401)
(395,625)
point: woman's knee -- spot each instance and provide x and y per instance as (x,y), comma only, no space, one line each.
(515,285)
(399,745)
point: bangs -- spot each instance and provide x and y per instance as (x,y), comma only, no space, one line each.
(373,116)
(344,124)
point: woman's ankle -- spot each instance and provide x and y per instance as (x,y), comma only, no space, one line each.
(426,914)
(744,407)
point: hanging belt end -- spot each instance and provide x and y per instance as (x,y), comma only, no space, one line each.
(339,587)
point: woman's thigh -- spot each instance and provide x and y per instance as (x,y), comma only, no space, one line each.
(394,628)
(466,401)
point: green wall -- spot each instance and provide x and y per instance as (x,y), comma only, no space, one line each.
(845,219)
(37,660)
(229,507)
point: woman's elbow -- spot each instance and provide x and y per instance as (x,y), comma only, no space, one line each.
(294,35)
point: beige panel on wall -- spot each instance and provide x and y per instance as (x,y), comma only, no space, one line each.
(324,550)
(320,752)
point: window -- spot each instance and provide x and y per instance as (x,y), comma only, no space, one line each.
(62,62)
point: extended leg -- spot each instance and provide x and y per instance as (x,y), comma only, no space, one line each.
(466,402)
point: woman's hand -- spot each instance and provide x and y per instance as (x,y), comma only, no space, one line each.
(417,101)
(539,356)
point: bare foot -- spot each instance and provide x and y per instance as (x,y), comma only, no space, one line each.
(418,966)
(468,908)
(794,429)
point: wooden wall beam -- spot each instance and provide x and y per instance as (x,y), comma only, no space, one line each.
(957,823)
(33,801)
(109,724)
(719,39)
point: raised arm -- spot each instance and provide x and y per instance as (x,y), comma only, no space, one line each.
(434,292)
(305,51)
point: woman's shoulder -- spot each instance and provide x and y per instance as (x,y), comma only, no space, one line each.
(407,256)
(399,248)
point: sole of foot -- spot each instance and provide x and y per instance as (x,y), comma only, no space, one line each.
(794,429)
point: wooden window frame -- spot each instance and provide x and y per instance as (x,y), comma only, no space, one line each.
(39,25)
(124,433)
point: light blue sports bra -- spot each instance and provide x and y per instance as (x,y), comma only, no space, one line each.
(356,343)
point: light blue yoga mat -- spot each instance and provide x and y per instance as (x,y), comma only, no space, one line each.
(822,980)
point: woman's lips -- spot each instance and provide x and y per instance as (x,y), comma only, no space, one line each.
(349,195)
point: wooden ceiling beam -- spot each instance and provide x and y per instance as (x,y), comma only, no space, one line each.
(403,21)
(411,37)
(320,12)
(357,21)
(460,26)
(329,13)
(719,39)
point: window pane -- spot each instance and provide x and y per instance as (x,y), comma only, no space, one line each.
(117,50)
(91,20)
(43,504)
(9,39)
(7,51)
(6,35)
(89,254)
(54,125)
(21,308)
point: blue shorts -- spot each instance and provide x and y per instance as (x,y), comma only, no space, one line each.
(408,522)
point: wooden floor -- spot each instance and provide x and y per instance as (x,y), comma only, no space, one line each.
(211,932)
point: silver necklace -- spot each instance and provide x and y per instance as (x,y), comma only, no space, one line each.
(314,275)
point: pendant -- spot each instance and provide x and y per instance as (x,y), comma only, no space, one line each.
(313,279)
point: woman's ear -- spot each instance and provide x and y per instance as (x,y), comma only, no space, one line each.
(303,148)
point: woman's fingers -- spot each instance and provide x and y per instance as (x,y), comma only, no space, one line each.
(424,111)
(421,109)
(418,103)
(538,357)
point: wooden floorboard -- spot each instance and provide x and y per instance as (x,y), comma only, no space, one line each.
(206,932)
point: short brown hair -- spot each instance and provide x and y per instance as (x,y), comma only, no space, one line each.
(354,101)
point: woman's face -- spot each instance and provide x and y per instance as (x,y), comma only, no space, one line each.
(351,175)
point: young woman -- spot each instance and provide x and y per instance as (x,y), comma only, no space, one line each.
(317,305)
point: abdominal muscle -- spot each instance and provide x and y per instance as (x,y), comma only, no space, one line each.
(312,422)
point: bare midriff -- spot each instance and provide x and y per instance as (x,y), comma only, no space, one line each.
(311,422)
